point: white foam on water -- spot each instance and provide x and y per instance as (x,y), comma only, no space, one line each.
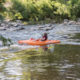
(15,48)
(71,43)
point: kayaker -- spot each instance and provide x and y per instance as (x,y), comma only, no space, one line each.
(44,37)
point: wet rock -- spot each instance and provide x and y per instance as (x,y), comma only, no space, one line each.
(48,28)
(3,24)
(50,25)
(34,29)
(71,22)
(2,28)
(40,27)
(18,21)
(45,27)
(78,20)
(13,24)
(65,21)
(20,29)
(8,25)
(78,23)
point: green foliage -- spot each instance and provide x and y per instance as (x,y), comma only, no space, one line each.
(62,9)
(2,1)
(5,41)
(1,17)
(2,9)
(36,10)
(74,8)
(18,16)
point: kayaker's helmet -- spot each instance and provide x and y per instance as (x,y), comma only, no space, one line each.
(45,34)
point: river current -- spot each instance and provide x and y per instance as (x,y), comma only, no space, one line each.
(24,62)
(58,32)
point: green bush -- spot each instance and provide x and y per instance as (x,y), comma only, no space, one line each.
(5,41)
(74,8)
(36,10)
(1,17)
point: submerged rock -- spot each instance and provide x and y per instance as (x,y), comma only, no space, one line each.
(48,28)
(71,22)
(20,29)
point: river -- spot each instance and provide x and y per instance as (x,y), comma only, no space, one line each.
(59,62)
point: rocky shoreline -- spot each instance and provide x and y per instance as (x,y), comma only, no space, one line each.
(18,25)
(14,25)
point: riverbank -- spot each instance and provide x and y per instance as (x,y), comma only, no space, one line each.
(18,24)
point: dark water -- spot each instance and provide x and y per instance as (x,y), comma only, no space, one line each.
(59,62)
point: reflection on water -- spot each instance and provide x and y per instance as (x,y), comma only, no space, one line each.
(61,64)
(45,48)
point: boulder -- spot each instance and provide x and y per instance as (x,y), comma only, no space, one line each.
(34,29)
(71,22)
(78,20)
(20,29)
(40,27)
(18,21)
(48,28)
(3,24)
(65,21)
(77,23)
(2,28)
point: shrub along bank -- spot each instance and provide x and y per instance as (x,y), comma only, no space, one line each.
(37,10)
